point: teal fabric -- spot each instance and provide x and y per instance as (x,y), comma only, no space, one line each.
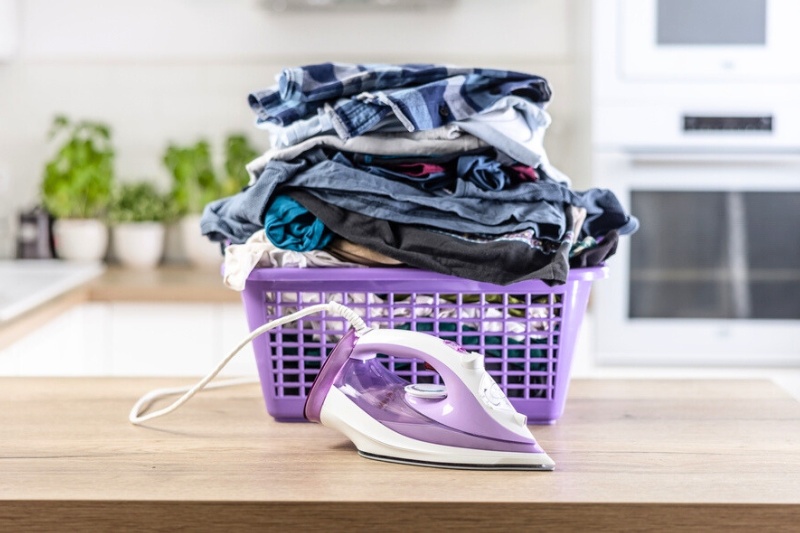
(291,226)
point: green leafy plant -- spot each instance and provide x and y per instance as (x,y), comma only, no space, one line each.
(139,202)
(194,180)
(238,152)
(78,179)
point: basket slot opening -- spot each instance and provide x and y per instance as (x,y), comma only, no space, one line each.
(518,331)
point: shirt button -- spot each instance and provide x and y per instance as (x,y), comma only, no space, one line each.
(444,111)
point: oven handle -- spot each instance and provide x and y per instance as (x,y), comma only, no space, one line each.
(761,158)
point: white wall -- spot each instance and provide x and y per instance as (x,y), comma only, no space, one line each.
(177,70)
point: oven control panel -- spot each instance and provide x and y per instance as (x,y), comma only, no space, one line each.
(727,123)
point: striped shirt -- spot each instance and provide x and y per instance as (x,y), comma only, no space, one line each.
(357,98)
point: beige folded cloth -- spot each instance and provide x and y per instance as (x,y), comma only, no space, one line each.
(356,253)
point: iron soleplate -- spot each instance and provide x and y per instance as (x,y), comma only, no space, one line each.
(458,466)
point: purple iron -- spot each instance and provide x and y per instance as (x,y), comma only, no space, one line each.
(465,423)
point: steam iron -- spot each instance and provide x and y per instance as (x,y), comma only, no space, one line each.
(466,423)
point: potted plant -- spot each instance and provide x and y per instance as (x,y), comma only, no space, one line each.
(137,213)
(76,188)
(238,152)
(195,183)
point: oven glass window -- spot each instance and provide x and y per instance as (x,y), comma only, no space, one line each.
(711,22)
(712,254)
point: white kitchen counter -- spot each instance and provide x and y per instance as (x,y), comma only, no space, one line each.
(27,284)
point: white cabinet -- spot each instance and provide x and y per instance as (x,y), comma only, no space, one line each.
(134,339)
(233,328)
(161,339)
(69,345)
(8,29)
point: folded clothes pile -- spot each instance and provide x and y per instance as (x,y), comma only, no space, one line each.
(426,166)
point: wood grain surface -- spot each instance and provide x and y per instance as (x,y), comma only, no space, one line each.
(647,455)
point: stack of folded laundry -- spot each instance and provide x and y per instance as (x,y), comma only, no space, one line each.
(428,166)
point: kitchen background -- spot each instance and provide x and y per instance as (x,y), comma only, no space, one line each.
(180,70)
(161,71)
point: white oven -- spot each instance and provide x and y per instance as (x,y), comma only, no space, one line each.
(708,159)
(705,40)
(713,274)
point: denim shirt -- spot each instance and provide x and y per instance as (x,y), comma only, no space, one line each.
(358,97)
(535,205)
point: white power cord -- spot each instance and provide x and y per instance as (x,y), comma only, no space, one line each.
(136,415)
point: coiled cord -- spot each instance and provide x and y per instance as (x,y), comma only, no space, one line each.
(136,415)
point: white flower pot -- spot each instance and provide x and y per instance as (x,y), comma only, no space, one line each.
(138,244)
(200,252)
(80,239)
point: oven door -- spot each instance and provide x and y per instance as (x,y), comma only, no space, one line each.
(712,277)
(709,40)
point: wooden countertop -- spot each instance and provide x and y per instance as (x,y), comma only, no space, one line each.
(166,284)
(631,455)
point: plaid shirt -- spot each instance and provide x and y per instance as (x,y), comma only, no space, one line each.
(358,97)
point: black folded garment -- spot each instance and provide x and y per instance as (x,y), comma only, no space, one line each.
(501,260)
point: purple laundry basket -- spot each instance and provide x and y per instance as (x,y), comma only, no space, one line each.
(527,330)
